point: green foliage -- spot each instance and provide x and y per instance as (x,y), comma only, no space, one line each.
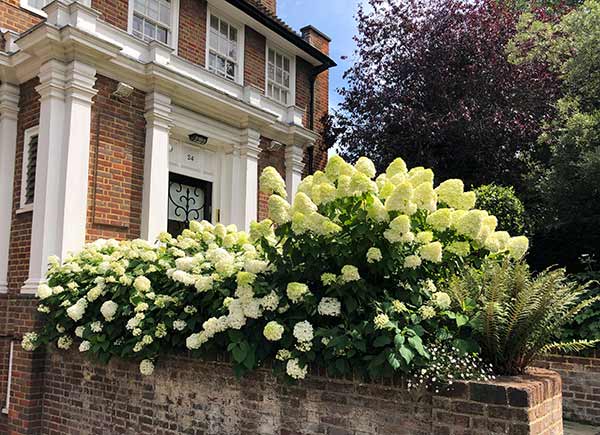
(586,324)
(347,277)
(517,316)
(566,183)
(503,203)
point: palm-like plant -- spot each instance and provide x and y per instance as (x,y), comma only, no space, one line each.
(516,316)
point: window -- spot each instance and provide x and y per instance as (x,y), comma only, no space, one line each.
(189,200)
(224,48)
(279,77)
(30,149)
(152,20)
(35,5)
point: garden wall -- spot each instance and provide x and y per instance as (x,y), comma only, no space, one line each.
(194,397)
(581,385)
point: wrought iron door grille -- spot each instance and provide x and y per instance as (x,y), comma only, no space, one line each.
(189,200)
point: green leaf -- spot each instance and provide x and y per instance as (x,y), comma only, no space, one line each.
(417,344)
(406,354)
(239,353)
(382,340)
(399,340)
(461,320)
(393,361)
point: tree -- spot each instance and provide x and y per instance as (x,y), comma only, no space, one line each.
(569,186)
(432,84)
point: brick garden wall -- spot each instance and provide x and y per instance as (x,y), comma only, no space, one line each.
(581,385)
(194,397)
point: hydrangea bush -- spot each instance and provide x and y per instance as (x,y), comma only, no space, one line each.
(349,276)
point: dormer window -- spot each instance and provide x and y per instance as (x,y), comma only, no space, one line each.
(224,48)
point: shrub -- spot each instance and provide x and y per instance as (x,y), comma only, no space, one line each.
(503,203)
(517,316)
(347,277)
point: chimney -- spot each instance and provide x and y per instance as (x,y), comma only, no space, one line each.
(316,38)
(271,5)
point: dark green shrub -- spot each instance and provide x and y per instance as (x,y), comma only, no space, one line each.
(503,203)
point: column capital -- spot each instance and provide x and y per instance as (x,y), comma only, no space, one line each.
(250,143)
(52,79)
(158,109)
(9,101)
(80,80)
(294,157)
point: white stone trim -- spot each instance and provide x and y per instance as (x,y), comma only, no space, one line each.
(155,205)
(27,135)
(9,109)
(244,179)
(60,200)
(294,167)
(42,12)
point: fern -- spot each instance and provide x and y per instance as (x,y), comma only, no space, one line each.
(518,315)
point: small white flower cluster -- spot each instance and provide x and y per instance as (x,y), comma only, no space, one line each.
(448,365)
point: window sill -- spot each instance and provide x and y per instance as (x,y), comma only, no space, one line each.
(25,209)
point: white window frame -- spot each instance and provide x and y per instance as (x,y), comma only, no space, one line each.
(25,5)
(174,25)
(292,59)
(29,133)
(241,29)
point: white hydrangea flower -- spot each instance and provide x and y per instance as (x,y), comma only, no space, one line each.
(142,284)
(294,370)
(85,346)
(64,342)
(431,252)
(427,312)
(518,246)
(303,331)
(96,327)
(77,310)
(349,274)
(29,342)
(204,283)
(296,291)
(270,302)
(273,331)
(381,321)
(271,182)
(279,210)
(328,278)
(146,367)
(374,255)
(79,331)
(398,166)
(366,167)
(283,355)
(108,310)
(179,325)
(441,300)
(329,307)
(43,292)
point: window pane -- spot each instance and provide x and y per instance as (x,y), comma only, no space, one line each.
(153,9)
(149,31)
(232,50)
(286,64)
(233,34)
(161,34)
(224,29)
(165,13)
(278,60)
(284,97)
(278,76)
(140,6)
(138,24)
(214,22)
(230,70)
(286,80)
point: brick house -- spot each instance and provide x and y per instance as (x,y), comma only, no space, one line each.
(125,118)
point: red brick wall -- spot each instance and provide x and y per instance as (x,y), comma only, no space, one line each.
(268,157)
(581,385)
(254,59)
(192,31)
(20,232)
(191,396)
(115,12)
(116,164)
(15,18)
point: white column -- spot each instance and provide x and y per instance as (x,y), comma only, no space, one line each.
(80,80)
(46,226)
(155,206)
(9,109)
(245,180)
(294,166)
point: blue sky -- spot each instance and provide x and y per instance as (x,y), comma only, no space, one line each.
(335,18)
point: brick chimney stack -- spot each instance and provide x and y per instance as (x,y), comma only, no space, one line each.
(270,5)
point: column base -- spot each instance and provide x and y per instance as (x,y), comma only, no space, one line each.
(31,286)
